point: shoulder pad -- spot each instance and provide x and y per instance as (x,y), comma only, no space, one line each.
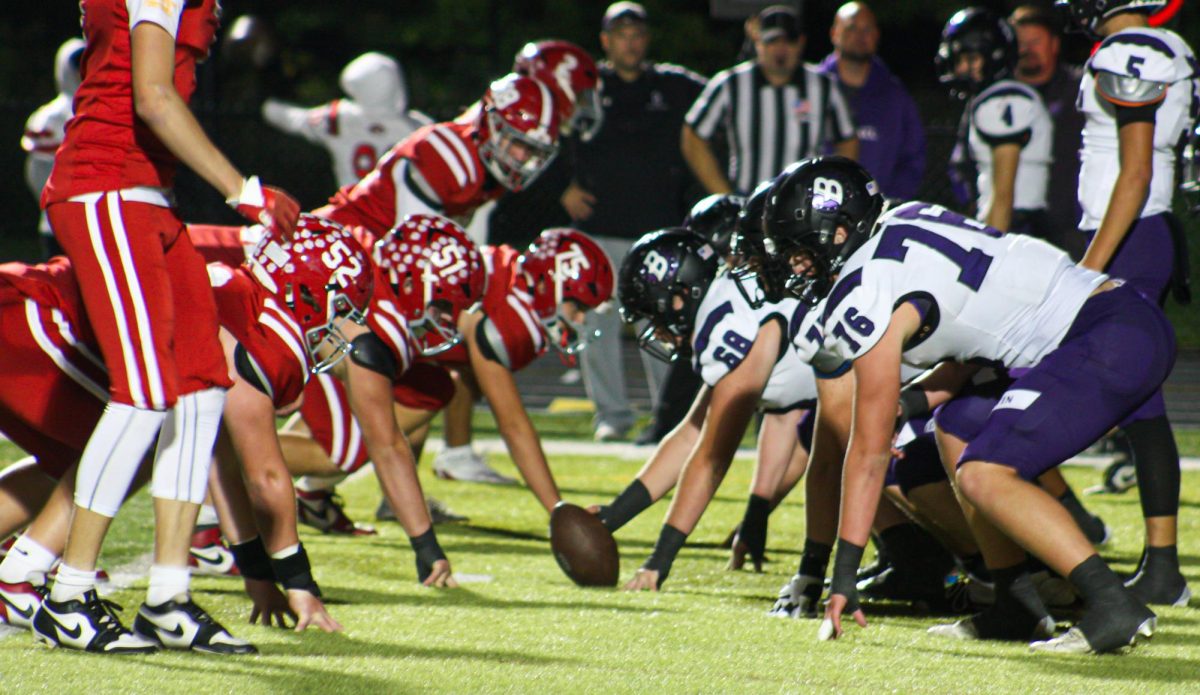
(370,352)
(1142,55)
(1129,91)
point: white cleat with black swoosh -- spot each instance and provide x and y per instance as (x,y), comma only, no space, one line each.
(184,625)
(88,624)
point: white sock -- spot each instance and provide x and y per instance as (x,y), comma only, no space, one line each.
(71,583)
(166,583)
(208,516)
(319,483)
(26,561)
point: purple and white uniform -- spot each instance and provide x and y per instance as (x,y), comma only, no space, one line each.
(726,328)
(1004,300)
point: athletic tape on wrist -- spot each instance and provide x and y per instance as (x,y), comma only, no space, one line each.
(252,559)
(845,573)
(428,551)
(295,572)
(670,541)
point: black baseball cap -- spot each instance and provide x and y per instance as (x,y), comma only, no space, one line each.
(622,12)
(779,21)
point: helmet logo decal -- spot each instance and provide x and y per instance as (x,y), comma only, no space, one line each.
(343,262)
(506,96)
(827,194)
(562,74)
(656,265)
(569,263)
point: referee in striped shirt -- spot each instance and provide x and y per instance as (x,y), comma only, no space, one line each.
(774,110)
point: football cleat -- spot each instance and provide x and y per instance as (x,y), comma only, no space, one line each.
(1074,641)
(19,602)
(184,625)
(323,511)
(209,555)
(798,598)
(88,624)
(1160,587)
(466,465)
(978,627)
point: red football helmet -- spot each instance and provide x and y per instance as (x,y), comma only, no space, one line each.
(436,272)
(569,273)
(518,130)
(571,74)
(323,276)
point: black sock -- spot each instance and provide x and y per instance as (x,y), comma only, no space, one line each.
(632,501)
(1165,557)
(1095,581)
(1015,590)
(1156,459)
(815,560)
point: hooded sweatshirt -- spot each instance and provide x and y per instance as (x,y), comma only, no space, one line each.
(44,129)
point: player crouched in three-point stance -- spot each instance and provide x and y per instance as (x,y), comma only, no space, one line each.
(922,285)
(147,297)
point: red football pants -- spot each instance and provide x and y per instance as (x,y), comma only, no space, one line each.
(147,297)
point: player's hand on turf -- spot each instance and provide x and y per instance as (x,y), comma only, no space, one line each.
(440,576)
(310,611)
(270,207)
(270,605)
(643,580)
(835,610)
(577,202)
(739,551)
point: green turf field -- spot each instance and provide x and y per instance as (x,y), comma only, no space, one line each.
(521,626)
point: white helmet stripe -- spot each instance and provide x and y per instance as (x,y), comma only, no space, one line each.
(547,106)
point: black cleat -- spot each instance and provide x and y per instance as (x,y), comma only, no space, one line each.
(89,624)
(1160,586)
(184,625)
(998,624)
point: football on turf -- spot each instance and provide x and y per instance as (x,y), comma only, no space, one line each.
(583,547)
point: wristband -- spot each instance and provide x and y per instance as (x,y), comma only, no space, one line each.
(670,541)
(914,403)
(632,501)
(754,526)
(252,560)
(845,573)
(428,552)
(295,572)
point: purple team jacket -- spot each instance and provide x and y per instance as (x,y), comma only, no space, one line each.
(890,135)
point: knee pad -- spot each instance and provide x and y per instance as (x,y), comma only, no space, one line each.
(113,455)
(185,447)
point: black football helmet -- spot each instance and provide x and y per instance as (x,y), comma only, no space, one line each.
(714,218)
(975,30)
(1088,15)
(806,206)
(760,278)
(662,281)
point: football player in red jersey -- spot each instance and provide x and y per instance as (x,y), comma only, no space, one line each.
(108,200)
(571,74)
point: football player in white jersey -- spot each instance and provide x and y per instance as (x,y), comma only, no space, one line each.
(359,130)
(1009,132)
(1139,96)
(669,278)
(922,285)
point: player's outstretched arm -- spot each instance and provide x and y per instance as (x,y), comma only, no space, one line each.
(161,108)
(777,443)
(1004,185)
(500,389)
(730,408)
(877,390)
(661,471)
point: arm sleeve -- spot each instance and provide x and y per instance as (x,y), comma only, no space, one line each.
(709,108)
(164,13)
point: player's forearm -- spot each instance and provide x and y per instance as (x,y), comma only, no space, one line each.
(228,490)
(776,441)
(661,472)
(703,163)
(168,117)
(397,474)
(268,482)
(526,450)
(862,485)
(1128,196)
(698,482)
(999,214)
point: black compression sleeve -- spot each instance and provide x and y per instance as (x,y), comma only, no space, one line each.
(670,541)
(428,551)
(632,501)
